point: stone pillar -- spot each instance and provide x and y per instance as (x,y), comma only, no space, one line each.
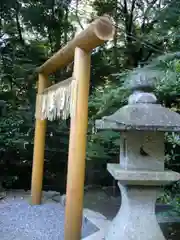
(141,172)
(136,217)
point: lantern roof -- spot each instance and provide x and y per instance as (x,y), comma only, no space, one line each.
(142,112)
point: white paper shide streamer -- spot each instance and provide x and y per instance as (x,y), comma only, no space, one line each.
(57,101)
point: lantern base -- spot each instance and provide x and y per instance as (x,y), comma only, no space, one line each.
(136,219)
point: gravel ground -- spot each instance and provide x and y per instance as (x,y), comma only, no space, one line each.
(21,221)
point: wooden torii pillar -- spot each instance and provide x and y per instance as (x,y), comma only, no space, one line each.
(78,49)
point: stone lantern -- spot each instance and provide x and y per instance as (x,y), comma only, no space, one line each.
(140,172)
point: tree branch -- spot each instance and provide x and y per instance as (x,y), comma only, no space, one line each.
(77,5)
(116,35)
(125,7)
(18,22)
(150,5)
(131,16)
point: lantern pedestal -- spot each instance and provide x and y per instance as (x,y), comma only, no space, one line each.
(136,219)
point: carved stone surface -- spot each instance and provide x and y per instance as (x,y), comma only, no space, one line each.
(142,97)
(133,143)
(141,116)
(144,178)
(136,219)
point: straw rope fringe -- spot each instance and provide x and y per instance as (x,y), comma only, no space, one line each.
(57,101)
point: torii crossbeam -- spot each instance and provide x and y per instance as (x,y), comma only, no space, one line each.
(72,97)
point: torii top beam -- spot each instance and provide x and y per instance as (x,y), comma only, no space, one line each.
(96,34)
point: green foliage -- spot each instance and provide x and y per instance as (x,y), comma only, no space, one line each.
(30,31)
(103,145)
(10,130)
(111,96)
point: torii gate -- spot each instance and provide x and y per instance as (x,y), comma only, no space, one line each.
(69,97)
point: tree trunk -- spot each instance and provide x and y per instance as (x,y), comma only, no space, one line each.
(17,8)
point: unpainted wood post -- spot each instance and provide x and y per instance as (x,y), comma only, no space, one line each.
(39,148)
(77,148)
